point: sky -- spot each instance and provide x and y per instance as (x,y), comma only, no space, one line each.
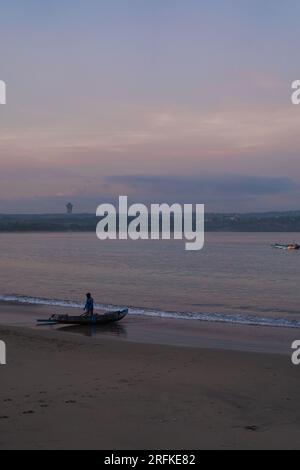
(161,100)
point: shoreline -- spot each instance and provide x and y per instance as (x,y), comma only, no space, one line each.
(157,330)
(271,318)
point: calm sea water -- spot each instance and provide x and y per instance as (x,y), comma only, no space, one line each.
(235,278)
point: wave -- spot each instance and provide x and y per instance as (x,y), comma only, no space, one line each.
(234,318)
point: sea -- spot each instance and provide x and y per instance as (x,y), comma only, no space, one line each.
(237,277)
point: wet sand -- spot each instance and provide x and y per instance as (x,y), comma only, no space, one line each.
(235,388)
(165,331)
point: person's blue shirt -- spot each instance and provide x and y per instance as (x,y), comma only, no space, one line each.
(89,305)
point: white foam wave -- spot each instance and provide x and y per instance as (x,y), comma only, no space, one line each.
(234,318)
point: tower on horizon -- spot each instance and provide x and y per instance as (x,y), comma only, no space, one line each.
(69,207)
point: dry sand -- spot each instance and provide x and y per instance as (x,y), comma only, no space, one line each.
(64,391)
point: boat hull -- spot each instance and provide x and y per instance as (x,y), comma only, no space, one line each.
(291,247)
(96,319)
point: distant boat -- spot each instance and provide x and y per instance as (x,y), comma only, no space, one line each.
(289,246)
(96,319)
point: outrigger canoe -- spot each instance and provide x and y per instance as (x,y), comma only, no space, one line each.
(96,319)
(290,246)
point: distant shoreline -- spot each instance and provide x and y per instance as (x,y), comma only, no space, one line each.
(214,222)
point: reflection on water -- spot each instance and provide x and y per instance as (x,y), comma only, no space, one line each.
(114,329)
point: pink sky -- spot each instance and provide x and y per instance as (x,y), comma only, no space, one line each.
(103,96)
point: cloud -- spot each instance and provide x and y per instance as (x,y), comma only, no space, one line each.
(223,193)
(194,186)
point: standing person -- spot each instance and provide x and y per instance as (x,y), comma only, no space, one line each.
(89,305)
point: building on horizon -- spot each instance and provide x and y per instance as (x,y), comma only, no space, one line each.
(69,207)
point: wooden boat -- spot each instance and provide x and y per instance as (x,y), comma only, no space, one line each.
(290,246)
(96,319)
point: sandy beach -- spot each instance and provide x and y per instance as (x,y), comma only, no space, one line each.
(61,390)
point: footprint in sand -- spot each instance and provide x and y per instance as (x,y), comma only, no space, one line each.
(252,428)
